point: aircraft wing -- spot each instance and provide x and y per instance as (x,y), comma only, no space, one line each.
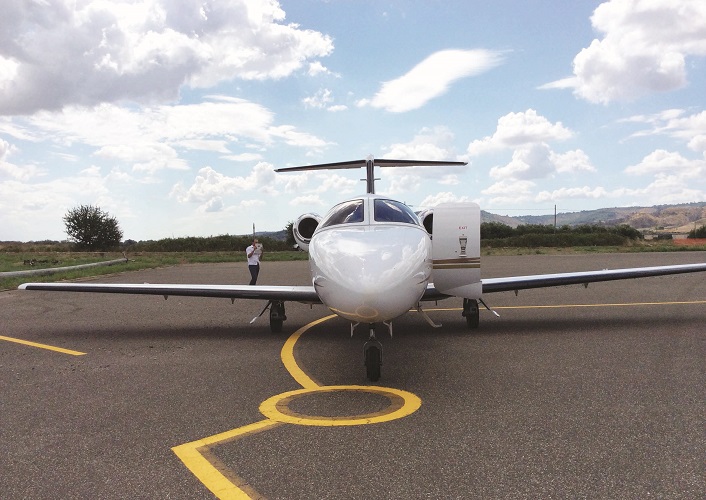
(512,283)
(305,294)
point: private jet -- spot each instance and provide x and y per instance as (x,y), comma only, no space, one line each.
(373,259)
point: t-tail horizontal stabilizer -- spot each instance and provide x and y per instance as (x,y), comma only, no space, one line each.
(370,163)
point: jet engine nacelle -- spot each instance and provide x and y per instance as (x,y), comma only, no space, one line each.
(304,228)
(455,248)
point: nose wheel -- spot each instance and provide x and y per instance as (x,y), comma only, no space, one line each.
(373,356)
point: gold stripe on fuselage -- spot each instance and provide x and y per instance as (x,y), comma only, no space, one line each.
(457,263)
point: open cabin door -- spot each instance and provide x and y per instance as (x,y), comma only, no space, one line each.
(456,249)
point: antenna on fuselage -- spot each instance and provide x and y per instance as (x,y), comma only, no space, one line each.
(370,163)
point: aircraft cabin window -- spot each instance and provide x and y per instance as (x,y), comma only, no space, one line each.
(394,211)
(345,213)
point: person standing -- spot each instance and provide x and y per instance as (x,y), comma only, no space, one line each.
(254,254)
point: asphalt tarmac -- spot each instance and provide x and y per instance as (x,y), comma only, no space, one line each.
(573,392)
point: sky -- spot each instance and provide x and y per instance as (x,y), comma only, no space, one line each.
(171,115)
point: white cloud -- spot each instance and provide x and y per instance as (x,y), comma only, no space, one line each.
(306,200)
(434,144)
(35,209)
(293,137)
(528,162)
(334,183)
(218,146)
(147,139)
(85,53)
(443,197)
(210,184)
(644,49)
(450,180)
(323,99)
(690,129)
(518,129)
(572,162)
(11,171)
(320,100)
(666,162)
(431,78)
(149,158)
(244,157)
(564,193)
(214,204)
(510,192)
(402,184)
(316,69)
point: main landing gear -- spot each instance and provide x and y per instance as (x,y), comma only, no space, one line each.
(471,312)
(277,316)
(373,356)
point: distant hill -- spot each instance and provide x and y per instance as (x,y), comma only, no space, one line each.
(672,218)
(280,235)
(668,218)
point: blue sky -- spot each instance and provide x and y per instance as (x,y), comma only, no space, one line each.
(171,116)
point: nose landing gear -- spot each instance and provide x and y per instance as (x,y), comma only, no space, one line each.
(373,356)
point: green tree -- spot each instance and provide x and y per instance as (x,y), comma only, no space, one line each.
(90,228)
(490,230)
(698,233)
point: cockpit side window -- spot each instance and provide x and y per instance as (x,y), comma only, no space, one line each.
(348,212)
(394,211)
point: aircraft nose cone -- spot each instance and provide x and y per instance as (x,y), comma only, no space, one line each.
(371,273)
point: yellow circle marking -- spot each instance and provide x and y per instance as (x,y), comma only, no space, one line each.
(402,403)
(195,455)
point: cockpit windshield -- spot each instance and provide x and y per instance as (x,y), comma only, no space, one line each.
(345,213)
(394,211)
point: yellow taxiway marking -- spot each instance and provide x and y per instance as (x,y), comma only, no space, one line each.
(225,484)
(567,306)
(42,346)
(402,403)
(207,469)
(287,356)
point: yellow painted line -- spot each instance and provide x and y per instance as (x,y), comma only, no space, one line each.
(192,454)
(290,363)
(42,346)
(566,306)
(223,483)
(196,454)
(402,404)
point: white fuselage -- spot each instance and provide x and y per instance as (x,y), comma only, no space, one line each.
(372,265)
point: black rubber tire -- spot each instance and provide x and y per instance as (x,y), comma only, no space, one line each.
(471,312)
(473,321)
(373,363)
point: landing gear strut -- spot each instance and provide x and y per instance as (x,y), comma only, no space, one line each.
(471,312)
(277,316)
(373,356)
